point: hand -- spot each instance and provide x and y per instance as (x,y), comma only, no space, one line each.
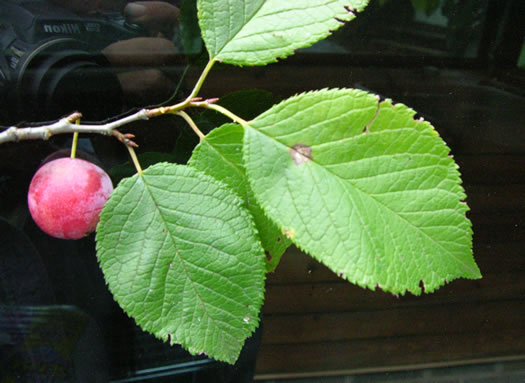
(145,83)
(158,17)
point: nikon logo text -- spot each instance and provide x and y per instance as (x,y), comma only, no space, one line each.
(69,29)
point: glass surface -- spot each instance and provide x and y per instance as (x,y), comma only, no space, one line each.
(403,28)
(458,63)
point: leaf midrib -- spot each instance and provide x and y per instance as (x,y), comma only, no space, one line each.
(181,259)
(368,195)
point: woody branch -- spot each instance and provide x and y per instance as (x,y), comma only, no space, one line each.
(68,125)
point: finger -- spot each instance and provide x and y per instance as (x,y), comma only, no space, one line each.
(157,16)
(142,52)
(149,86)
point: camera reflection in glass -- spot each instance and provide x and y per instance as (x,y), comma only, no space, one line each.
(65,56)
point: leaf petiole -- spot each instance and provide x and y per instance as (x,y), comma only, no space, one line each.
(134,158)
(191,123)
(221,110)
(188,101)
(200,81)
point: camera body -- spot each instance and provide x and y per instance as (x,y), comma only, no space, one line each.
(51,62)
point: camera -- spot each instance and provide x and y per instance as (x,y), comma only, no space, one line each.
(51,62)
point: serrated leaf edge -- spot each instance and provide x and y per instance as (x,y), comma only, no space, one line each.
(290,232)
(168,338)
(240,62)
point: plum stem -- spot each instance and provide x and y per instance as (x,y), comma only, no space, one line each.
(75,143)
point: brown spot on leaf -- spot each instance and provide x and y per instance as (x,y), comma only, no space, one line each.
(300,154)
(268,256)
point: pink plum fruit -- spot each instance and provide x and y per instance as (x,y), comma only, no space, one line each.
(66,196)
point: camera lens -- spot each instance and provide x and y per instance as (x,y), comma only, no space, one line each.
(62,76)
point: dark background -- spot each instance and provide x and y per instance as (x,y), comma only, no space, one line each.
(457,63)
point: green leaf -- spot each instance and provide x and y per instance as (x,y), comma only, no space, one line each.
(258,32)
(220,156)
(181,256)
(364,188)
